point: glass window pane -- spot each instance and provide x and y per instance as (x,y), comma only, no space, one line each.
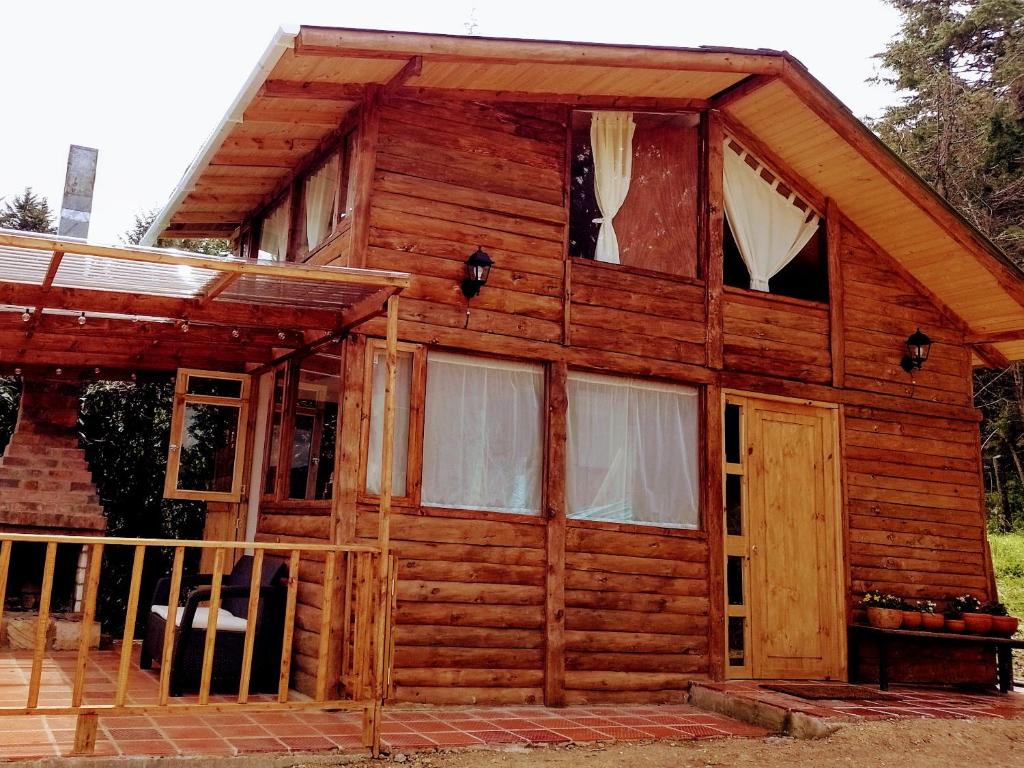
(274,234)
(319,195)
(734,579)
(734,505)
(633,451)
(403,388)
(737,641)
(214,387)
(311,467)
(207,452)
(483,434)
(732,433)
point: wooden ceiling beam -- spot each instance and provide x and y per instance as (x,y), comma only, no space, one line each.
(412,68)
(991,356)
(741,90)
(297,89)
(568,99)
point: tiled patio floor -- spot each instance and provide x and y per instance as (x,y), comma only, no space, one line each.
(900,703)
(219,734)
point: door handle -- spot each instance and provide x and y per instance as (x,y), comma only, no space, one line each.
(753,549)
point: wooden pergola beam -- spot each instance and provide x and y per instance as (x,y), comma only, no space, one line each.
(991,356)
(412,68)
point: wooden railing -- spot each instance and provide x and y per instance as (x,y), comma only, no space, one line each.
(351,662)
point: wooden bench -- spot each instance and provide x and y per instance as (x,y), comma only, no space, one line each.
(1003,647)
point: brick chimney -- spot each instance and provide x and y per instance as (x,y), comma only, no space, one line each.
(45,482)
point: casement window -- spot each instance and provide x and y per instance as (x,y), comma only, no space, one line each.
(314,428)
(483,440)
(773,240)
(633,451)
(303,429)
(634,190)
(377,378)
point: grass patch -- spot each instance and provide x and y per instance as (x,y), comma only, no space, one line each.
(1008,560)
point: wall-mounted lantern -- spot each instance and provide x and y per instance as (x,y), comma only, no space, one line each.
(919,346)
(478,269)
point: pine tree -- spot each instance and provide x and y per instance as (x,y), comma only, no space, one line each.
(28,212)
(208,246)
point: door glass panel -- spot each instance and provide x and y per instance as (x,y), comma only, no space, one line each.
(214,387)
(734,579)
(732,433)
(210,436)
(277,406)
(311,471)
(737,644)
(734,505)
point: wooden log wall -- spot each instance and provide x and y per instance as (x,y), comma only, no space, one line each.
(478,618)
(777,336)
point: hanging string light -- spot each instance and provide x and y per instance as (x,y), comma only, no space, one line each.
(26,316)
(81,319)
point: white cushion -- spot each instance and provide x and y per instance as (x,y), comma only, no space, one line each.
(226,620)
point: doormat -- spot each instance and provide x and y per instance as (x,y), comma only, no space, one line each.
(839,691)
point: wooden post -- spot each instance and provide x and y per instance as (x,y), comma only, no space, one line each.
(712,215)
(5,567)
(362,182)
(384,527)
(85,733)
(323,684)
(289,626)
(836,303)
(42,624)
(713,524)
(211,625)
(554,496)
(92,583)
(252,609)
(173,595)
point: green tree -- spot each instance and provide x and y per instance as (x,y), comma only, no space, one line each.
(28,212)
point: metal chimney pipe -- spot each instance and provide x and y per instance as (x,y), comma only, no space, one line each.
(76,208)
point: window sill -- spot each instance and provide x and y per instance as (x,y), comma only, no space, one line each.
(638,271)
(772,298)
(473,514)
(638,528)
(269,503)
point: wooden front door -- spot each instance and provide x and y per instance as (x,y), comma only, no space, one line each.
(783,552)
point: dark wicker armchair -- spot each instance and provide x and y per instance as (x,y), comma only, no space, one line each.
(190,632)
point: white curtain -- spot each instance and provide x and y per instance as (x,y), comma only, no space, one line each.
(274,235)
(633,451)
(769,230)
(320,192)
(403,388)
(482,435)
(611,137)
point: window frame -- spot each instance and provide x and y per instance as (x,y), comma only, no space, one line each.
(699,278)
(701,529)
(182,399)
(417,398)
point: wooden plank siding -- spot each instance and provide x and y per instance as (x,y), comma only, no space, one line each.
(478,618)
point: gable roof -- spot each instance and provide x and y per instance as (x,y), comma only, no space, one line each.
(311,78)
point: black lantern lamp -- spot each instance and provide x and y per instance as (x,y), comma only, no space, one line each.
(478,269)
(919,346)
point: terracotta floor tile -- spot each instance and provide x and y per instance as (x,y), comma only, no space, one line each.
(623,732)
(499,737)
(700,731)
(132,734)
(290,730)
(204,747)
(435,726)
(409,740)
(581,735)
(340,729)
(540,736)
(175,732)
(267,744)
(346,742)
(308,743)
(151,747)
(455,739)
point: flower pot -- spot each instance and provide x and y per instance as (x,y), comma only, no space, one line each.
(955,625)
(978,623)
(1005,626)
(933,622)
(911,619)
(885,618)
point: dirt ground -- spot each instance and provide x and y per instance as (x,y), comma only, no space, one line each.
(903,744)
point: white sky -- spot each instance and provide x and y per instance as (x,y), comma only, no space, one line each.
(146,82)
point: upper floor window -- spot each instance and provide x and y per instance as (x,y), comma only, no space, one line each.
(274,233)
(773,240)
(633,190)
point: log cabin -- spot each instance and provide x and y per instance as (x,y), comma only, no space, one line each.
(656,419)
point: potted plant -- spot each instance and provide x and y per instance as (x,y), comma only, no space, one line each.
(930,620)
(884,610)
(1003,624)
(969,608)
(911,615)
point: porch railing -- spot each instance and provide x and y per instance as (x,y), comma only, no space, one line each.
(350,667)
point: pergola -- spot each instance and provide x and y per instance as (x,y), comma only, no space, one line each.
(78,306)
